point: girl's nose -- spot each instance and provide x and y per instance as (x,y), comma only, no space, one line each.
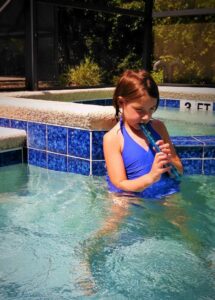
(146,117)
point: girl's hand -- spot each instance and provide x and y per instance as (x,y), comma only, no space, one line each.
(159,166)
(164,147)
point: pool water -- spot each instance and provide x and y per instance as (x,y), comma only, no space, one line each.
(62,237)
(186,122)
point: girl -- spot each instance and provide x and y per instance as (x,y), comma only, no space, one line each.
(132,165)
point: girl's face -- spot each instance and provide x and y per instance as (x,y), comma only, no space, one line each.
(139,110)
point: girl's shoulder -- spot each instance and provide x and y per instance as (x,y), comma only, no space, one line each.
(157,124)
(113,134)
(160,127)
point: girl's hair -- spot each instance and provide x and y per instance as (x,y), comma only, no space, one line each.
(132,85)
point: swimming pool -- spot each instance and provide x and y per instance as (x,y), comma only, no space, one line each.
(52,246)
(186,123)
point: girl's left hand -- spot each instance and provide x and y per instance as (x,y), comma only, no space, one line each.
(165,148)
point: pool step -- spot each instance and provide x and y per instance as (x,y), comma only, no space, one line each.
(12,143)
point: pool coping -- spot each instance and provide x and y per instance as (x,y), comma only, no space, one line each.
(11,138)
(58,113)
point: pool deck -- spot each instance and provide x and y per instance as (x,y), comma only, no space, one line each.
(191,93)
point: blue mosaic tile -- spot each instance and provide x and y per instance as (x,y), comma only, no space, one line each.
(4,122)
(206,139)
(97,144)
(57,162)
(57,139)
(162,102)
(87,101)
(79,143)
(98,168)
(209,151)
(190,152)
(78,166)
(172,103)
(108,102)
(209,166)
(102,102)
(96,102)
(37,136)
(192,166)
(19,124)
(37,158)
(185,141)
(10,157)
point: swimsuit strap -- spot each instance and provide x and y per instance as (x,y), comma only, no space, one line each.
(121,123)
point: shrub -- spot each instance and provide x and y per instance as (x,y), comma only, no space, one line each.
(87,73)
(158,76)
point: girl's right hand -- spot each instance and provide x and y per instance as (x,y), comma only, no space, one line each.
(159,166)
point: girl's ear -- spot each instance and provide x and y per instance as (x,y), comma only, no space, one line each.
(121,101)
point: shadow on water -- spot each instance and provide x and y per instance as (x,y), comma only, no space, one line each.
(13,178)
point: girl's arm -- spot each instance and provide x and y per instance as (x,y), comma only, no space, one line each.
(112,145)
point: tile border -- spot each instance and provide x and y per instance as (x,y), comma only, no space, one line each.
(196,152)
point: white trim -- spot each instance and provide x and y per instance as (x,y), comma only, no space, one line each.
(11,149)
(91,149)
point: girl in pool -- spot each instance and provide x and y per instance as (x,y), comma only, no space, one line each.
(134,168)
(132,164)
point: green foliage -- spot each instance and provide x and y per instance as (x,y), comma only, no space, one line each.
(131,61)
(87,73)
(186,50)
(162,5)
(115,42)
(158,76)
(137,4)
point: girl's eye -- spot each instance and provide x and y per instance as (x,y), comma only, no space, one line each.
(140,110)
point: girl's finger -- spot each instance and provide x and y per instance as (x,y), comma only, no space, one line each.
(166,169)
(159,142)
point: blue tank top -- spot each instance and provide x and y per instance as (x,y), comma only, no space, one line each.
(138,162)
